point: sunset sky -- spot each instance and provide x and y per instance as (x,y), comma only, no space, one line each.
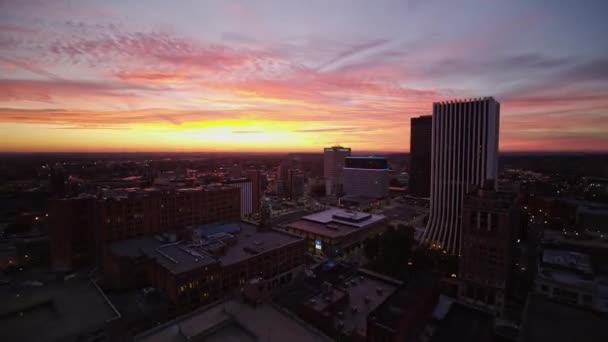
(295,75)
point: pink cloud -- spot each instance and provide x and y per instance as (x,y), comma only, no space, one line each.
(64,90)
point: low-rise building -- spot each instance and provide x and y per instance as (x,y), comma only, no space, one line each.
(548,321)
(233,320)
(402,316)
(199,265)
(46,309)
(338,299)
(80,227)
(336,232)
(568,277)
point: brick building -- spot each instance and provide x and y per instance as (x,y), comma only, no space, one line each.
(81,226)
(198,265)
(403,315)
(71,232)
(490,222)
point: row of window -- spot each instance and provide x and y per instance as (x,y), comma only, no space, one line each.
(567,296)
(481,220)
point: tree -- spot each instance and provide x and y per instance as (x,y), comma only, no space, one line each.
(371,247)
(394,251)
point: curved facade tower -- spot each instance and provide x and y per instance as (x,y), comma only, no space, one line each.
(464,156)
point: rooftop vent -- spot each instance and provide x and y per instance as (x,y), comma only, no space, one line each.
(251,250)
(332,226)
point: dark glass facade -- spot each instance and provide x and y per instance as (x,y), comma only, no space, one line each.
(420,156)
(372,163)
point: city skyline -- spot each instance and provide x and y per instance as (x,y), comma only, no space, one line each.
(295,76)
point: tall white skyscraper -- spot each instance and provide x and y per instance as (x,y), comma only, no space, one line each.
(464,155)
(333,166)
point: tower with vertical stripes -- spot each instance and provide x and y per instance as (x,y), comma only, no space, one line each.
(464,156)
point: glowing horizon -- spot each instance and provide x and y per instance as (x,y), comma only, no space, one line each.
(294,76)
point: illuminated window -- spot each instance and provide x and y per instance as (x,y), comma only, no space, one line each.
(318,245)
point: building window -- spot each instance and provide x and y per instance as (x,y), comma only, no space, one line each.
(544,288)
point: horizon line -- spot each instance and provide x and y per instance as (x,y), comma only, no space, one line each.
(283,152)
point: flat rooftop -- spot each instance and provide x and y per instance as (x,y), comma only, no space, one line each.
(365,287)
(465,324)
(335,231)
(259,241)
(365,294)
(184,256)
(52,310)
(351,218)
(234,321)
(422,286)
(568,260)
(542,315)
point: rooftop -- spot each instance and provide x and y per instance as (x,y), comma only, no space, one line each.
(206,230)
(364,292)
(366,158)
(337,148)
(366,163)
(540,323)
(51,309)
(566,267)
(567,260)
(391,312)
(352,218)
(465,324)
(477,99)
(234,321)
(336,222)
(221,247)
